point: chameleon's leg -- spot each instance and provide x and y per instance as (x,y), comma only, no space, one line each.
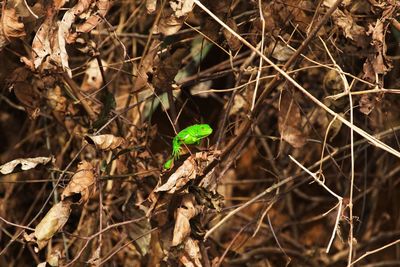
(176,148)
(168,163)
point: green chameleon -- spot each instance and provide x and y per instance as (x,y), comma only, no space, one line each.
(188,136)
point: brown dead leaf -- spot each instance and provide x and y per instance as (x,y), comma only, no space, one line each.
(21,82)
(81,182)
(280,51)
(173,17)
(183,214)
(351,30)
(367,104)
(26,164)
(289,121)
(181,8)
(169,25)
(52,222)
(93,16)
(167,69)
(379,63)
(56,100)
(185,173)
(105,141)
(233,42)
(93,79)
(139,230)
(12,27)
(191,255)
(151,6)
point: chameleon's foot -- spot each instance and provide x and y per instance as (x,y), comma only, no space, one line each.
(168,165)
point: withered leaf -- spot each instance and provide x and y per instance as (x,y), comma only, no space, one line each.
(56,100)
(379,63)
(151,6)
(289,121)
(182,217)
(26,164)
(185,173)
(52,222)
(233,42)
(169,25)
(105,141)
(366,104)
(93,79)
(190,168)
(12,28)
(191,256)
(181,7)
(139,230)
(81,182)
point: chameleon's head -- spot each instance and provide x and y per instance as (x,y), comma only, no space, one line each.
(204,130)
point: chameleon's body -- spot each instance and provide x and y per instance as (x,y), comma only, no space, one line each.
(188,136)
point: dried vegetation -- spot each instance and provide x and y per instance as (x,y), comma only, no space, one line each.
(300,169)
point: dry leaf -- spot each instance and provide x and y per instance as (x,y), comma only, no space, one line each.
(26,164)
(93,16)
(105,141)
(185,173)
(169,25)
(289,121)
(54,220)
(366,104)
(21,80)
(93,79)
(12,28)
(181,8)
(350,28)
(233,42)
(81,182)
(55,255)
(139,230)
(280,51)
(56,100)
(151,6)
(378,63)
(182,217)
(191,255)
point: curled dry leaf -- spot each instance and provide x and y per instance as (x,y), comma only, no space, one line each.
(179,178)
(187,171)
(54,220)
(56,100)
(93,79)
(280,51)
(233,42)
(378,63)
(138,230)
(367,104)
(151,6)
(93,16)
(105,141)
(350,28)
(289,121)
(191,256)
(182,219)
(181,8)
(173,18)
(26,164)
(11,26)
(81,182)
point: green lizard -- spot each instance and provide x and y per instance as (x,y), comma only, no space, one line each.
(188,136)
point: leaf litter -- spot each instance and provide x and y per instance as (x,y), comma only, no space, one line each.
(105,86)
